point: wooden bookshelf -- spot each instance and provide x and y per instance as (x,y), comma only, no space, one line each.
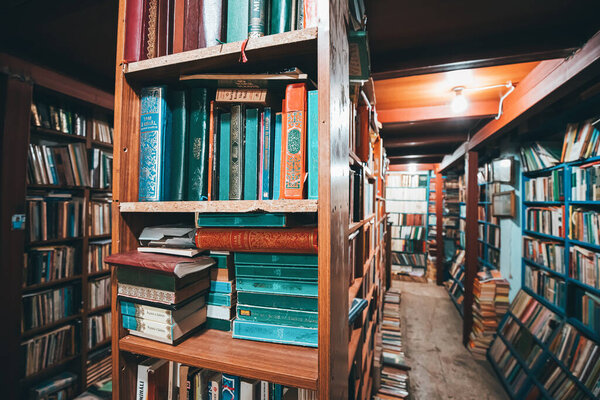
(18,92)
(238,206)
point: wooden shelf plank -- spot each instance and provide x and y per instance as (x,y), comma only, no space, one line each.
(354,288)
(353,346)
(54,134)
(288,365)
(49,284)
(231,206)
(263,49)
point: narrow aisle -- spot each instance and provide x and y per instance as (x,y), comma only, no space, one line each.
(441,367)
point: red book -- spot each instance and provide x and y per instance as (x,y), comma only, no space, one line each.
(293,143)
(362,150)
(297,240)
(310,13)
(178,25)
(164,263)
(191,25)
(134,15)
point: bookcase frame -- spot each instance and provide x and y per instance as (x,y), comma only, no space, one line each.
(17,86)
(324,49)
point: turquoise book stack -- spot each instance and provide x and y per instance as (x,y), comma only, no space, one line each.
(222,295)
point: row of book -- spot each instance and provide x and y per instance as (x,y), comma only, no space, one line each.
(584,225)
(226,149)
(546,220)
(539,156)
(407,180)
(409,232)
(58,165)
(99,293)
(48,349)
(48,306)
(590,311)
(100,215)
(410,246)
(584,265)
(98,250)
(581,141)
(98,366)
(546,285)
(545,188)
(493,235)
(54,216)
(102,131)
(153,31)
(406,207)
(98,329)
(407,219)
(46,264)
(415,260)
(58,118)
(585,182)
(101,169)
(412,194)
(492,257)
(61,386)
(550,254)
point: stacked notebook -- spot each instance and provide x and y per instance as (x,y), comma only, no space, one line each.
(222,295)
(162,297)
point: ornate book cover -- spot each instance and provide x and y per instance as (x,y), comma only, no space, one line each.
(293,164)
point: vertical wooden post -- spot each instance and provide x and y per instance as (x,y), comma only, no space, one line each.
(439,226)
(471,165)
(334,107)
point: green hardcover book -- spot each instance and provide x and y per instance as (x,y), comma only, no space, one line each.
(278,272)
(294,288)
(221,299)
(281,16)
(236,152)
(270,315)
(237,20)
(179,142)
(222,260)
(358,47)
(275,220)
(304,260)
(224,139)
(157,280)
(277,301)
(257,18)
(312,133)
(251,156)
(198,145)
(218,324)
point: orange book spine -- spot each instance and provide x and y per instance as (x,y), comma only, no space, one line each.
(297,240)
(293,143)
(363,149)
(178,25)
(211,148)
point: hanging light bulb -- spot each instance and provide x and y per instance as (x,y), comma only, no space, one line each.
(459,102)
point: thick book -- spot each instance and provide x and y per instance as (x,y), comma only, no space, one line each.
(230,387)
(281,17)
(165,333)
(277,301)
(161,263)
(167,297)
(179,14)
(218,324)
(150,30)
(257,18)
(276,259)
(269,220)
(223,162)
(134,14)
(236,152)
(179,144)
(221,299)
(158,314)
(267,149)
(237,20)
(220,312)
(222,286)
(274,333)
(313,144)
(281,316)
(198,145)
(285,287)
(251,155)
(277,272)
(211,31)
(277,157)
(296,240)
(191,24)
(154,144)
(223,259)
(293,143)
(364,138)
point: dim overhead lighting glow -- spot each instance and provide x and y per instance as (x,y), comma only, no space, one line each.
(459,102)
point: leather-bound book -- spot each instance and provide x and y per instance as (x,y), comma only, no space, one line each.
(179,143)
(293,143)
(236,152)
(211,31)
(266,240)
(134,16)
(198,144)
(191,24)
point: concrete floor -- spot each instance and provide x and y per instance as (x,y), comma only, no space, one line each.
(442,368)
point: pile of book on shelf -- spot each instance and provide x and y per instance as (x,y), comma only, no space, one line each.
(58,118)
(222,297)
(49,263)
(48,349)
(61,386)
(162,379)
(234,144)
(490,303)
(58,165)
(389,352)
(98,250)
(54,215)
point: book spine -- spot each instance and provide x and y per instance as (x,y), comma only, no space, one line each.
(293,166)
(150,29)
(237,20)
(313,144)
(277,157)
(222,287)
(257,13)
(224,144)
(191,25)
(179,134)
(277,272)
(178,25)
(142,383)
(211,30)
(230,387)
(219,299)
(281,14)
(143,293)
(292,288)
(310,13)
(275,333)
(250,158)
(153,328)
(213,390)
(153,126)
(364,141)
(219,312)
(198,145)
(276,259)
(298,240)
(134,15)
(146,312)
(267,151)
(264,390)
(261,137)
(279,316)
(211,150)
(236,153)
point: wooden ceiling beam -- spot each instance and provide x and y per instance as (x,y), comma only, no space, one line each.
(480,109)
(414,141)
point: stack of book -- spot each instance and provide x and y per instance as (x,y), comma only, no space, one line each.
(61,386)
(46,264)
(539,156)
(58,165)
(277,298)
(222,296)
(98,365)
(162,297)
(581,141)
(490,303)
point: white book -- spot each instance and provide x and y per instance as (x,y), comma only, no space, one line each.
(264,390)
(141,390)
(169,250)
(218,312)
(249,390)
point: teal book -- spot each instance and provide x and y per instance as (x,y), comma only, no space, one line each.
(312,129)
(222,260)
(155,137)
(221,299)
(277,272)
(278,301)
(358,47)
(275,220)
(222,286)
(237,20)
(236,152)
(281,16)
(277,157)
(286,287)
(257,18)
(218,324)
(224,139)
(230,387)
(274,333)
(179,143)
(198,145)
(251,156)
(267,141)
(280,316)
(305,260)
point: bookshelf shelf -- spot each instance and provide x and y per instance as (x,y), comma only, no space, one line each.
(272,48)
(99,237)
(100,345)
(47,285)
(353,345)
(105,145)
(49,371)
(542,203)
(100,309)
(32,332)
(546,303)
(53,241)
(54,187)
(544,268)
(98,273)
(585,244)
(584,203)
(543,235)
(56,135)
(354,289)
(237,206)
(288,365)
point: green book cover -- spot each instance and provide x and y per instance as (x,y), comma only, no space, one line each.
(221,299)
(278,301)
(245,220)
(358,46)
(313,144)
(224,139)
(179,131)
(198,145)
(277,259)
(222,260)
(251,156)
(281,16)
(277,157)
(278,272)
(257,18)
(218,324)
(270,315)
(237,20)
(236,152)
(273,286)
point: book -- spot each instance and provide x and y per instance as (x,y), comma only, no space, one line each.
(230,386)
(159,314)
(178,103)
(219,324)
(162,296)
(222,286)
(282,316)
(313,143)
(211,19)
(293,139)
(220,312)
(197,189)
(167,236)
(277,272)
(277,301)
(165,333)
(274,333)
(276,259)
(134,14)
(175,267)
(358,305)
(287,287)
(171,251)
(224,155)
(48,349)
(281,17)
(253,96)
(59,386)
(214,386)
(251,150)
(274,220)
(249,389)
(237,20)
(297,240)
(221,299)
(154,144)
(48,306)
(236,152)
(257,18)
(212,152)
(277,157)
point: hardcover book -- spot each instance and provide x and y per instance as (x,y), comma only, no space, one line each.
(251,156)
(236,152)
(277,301)
(282,316)
(221,299)
(281,17)
(222,287)
(293,139)
(313,144)
(277,157)
(287,287)
(274,220)
(162,296)
(224,155)
(257,17)
(162,315)
(267,151)
(161,263)
(277,272)
(230,387)
(296,240)
(198,145)
(274,333)
(211,31)
(277,259)
(237,20)
(166,333)
(178,105)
